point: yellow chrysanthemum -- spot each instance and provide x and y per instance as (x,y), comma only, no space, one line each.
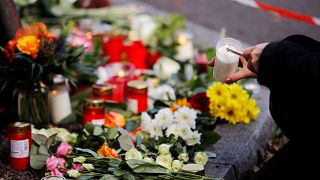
(237,93)
(29,44)
(179,103)
(232,112)
(253,109)
(217,90)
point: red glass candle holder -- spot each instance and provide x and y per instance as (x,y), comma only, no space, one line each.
(93,112)
(137,96)
(102,91)
(19,135)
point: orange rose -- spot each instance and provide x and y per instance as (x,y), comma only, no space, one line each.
(106,151)
(179,103)
(29,44)
(114,119)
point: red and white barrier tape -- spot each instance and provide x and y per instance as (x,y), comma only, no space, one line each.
(282,12)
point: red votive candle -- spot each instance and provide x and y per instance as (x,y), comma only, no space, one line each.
(137,96)
(19,135)
(93,112)
(102,91)
(119,85)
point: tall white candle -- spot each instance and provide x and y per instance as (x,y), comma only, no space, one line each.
(226,62)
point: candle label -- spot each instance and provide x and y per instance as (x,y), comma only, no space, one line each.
(98,122)
(132,105)
(19,148)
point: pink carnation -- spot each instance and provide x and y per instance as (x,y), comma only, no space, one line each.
(56,172)
(54,163)
(63,149)
(76,166)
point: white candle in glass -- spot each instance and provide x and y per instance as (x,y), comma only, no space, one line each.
(59,100)
(226,62)
(185,50)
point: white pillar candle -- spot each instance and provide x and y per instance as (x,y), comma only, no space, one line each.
(226,62)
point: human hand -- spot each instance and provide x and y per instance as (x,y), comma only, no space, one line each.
(249,64)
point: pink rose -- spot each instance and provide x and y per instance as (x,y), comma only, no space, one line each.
(56,172)
(76,166)
(54,163)
(63,149)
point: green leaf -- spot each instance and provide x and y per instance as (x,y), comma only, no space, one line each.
(211,154)
(89,128)
(125,142)
(97,130)
(69,119)
(44,150)
(39,139)
(38,161)
(120,172)
(142,167)
(112,133)
(109,177)
(210,137)
(94,154)
(128,177)
(85,177)
(34,149)
(51,140)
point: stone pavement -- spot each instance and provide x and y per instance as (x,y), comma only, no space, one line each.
(237,150)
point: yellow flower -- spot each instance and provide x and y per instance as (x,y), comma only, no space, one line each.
(29,44)
(237,93)
(232,112)
(179,103)
(253,109)
(217,90)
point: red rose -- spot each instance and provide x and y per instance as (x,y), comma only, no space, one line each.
(200,101)
(137,54)
(113,49)
(152,58)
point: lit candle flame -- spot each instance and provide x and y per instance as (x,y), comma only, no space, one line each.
(54,92)
(182,39)
(121,74)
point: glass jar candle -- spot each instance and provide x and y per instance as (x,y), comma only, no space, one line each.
(93,112)
(19,135)
(102,91)
(137,96)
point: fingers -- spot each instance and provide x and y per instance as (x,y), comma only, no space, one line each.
(211,62)
(244,73)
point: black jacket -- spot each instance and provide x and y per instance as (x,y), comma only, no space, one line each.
(291,70)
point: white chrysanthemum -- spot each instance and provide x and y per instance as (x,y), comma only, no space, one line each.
(164,117)
(187,116)
(133,153)
(164,149)
(183,157)
(145,121)
(172,129)
(194,139)
(148,160)
(201,158)
(165,160)
(184,131)
(177,165)
(155,130)
(88,167)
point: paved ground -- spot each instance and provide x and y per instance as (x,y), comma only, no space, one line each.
(245,23)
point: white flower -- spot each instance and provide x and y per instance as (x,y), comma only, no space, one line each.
(172,129)
(194,139)
(145,121)
(201,158)
(88,167)
(79,159)
(145,26)
(164,149)
(183,157)
(177,165)
(155,130)
(166,67)
(165,160)
(163,92)
(184,131)
(148,160)
(133,153)
(187,116)
(74,173)
(164,117)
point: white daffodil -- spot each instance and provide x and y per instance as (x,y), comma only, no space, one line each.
(145,121)
(165,160)
(184,131)
(166,67)
(88,167)
(164,117)
(194,138)
(183,157)
(201,158)
(79,159)
(155,130)
(177,165)
(172,129)
(164,149)
(187,116)
(74,173)
(148,160)
(133,153)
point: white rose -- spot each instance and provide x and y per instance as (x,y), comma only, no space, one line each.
(148,160)
(164,149)
(166,67)
(88,167)
(201,158)
(177,165)
(79,159)
(74,173)
(165,160)
(183,157)
(133,153)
